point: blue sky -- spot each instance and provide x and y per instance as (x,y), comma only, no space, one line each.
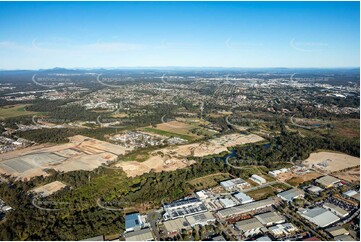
(213,34)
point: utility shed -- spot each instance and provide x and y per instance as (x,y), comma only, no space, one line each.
(270,218)
(139,235)
(336,231)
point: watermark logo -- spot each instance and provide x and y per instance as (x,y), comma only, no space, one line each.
(109,81)
(308,46)
(242,120)
(51,81)
(113,205)
(164,80)
(178,80)
(47,205)
(242,46)
(113,123)
(309,127)
(167,123)
(291,77)
(253,163)
(47,122)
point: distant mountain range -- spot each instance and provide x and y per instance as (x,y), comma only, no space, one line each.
(176,68)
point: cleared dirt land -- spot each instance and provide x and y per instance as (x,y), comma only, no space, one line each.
(155,163)
(331,161)
(211,147)
(350,175)
(172,158)
(299,179)
(49,188)
(81,153)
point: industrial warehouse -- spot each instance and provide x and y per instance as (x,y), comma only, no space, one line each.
(320,216)
(232,204)
(252,207)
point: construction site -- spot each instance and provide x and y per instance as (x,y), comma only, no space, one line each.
(81,153)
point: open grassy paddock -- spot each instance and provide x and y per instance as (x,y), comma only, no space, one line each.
(209,180)
(12,111)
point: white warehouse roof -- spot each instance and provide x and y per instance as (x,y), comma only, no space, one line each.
(243,198)
(237,210)
(320,216)
(291,194)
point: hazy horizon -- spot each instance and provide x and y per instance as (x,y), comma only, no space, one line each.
(178,67)
(182,34)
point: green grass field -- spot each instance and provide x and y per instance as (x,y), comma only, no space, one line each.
(169,134)
(14,111)
(138,155)
(261,193)
(208,181)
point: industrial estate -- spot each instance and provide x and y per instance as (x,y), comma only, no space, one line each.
(180,121)
(213,166)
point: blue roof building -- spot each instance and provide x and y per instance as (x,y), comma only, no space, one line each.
(133,222)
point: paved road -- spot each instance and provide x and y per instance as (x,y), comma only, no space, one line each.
(153,217)
(289,215)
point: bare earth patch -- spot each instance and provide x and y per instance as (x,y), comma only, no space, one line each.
(81,153)
(172,158)
(331,161)
(211,147)
(350,175)
(49,188)
(298,179)
(155,163)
